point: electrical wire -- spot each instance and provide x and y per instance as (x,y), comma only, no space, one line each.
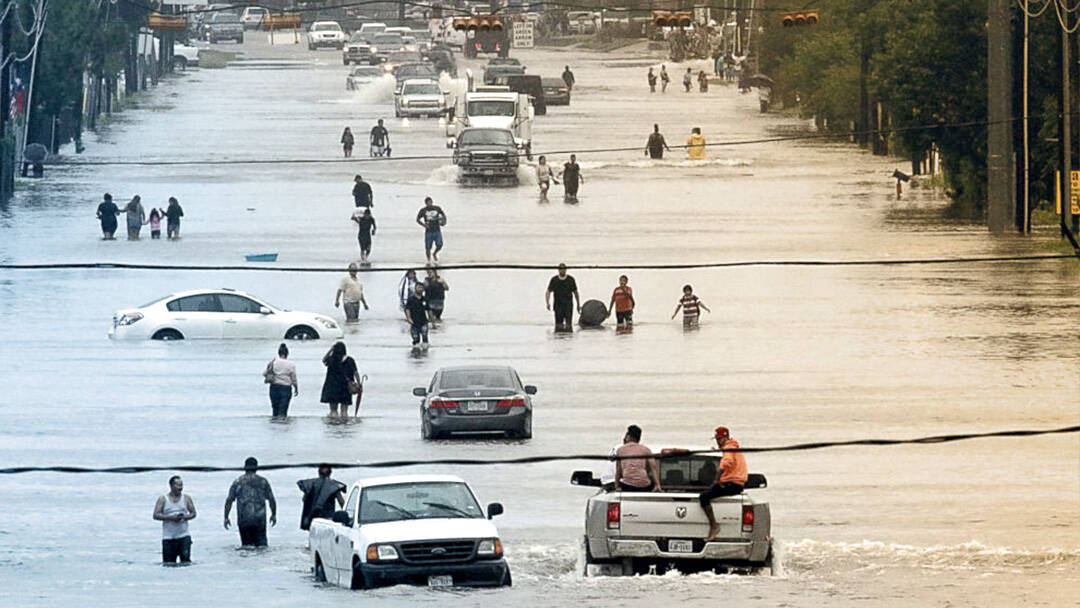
(389,464)
(509,266)
(1063,16)
(1026,4)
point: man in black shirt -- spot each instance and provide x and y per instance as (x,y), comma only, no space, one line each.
(656,145)
(380,140)
(571,177)
(107,212)
(416,309)
(361,193)
(432,218)
(565,289)
(568,78)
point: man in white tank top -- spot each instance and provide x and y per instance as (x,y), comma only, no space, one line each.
(174,510)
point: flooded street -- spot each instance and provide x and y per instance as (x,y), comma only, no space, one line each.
(789,354)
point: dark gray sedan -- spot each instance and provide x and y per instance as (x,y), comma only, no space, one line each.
(476,400)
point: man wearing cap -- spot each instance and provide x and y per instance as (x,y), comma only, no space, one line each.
(251,493)
(730,481)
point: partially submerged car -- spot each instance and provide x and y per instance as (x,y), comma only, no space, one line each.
(556,93)
(419,97)
(215,314)
(471,399)
(410,529)
(363,75)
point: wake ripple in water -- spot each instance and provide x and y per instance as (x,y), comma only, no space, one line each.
(448,175)
(669,163)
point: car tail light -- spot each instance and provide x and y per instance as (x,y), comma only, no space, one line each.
(614,515)
(479,46)
(443,404)
(515,402)
(748,518)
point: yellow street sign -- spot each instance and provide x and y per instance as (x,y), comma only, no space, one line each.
(1074,192)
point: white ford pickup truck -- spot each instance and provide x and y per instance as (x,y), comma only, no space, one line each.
(652,532)
(415,529)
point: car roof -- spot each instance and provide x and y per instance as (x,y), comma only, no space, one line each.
(196,292)
(325,23)
(399,479)
(476,368)
(420,81)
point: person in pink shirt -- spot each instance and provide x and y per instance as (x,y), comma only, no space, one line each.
(636,470)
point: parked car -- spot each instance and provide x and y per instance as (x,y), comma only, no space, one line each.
(201,20)
(635,532)
(414,529)
(357,50)
(184,55)
(472,398)
(253,17)
(325,34)
(225,26)
(363,75)
(419,97)
(218,313)
(555,92)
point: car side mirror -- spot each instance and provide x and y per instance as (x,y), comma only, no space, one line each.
(584,478)
(342,517)
(419,391)
(494,509)
(264,310)
(530,389)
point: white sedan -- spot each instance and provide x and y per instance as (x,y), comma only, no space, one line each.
(218,313)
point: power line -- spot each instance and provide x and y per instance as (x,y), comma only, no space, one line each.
(503,266)
(387,464)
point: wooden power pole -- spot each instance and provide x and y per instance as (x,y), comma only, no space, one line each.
(1000,162)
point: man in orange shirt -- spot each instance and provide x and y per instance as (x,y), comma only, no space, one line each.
(730,481)
(622,302)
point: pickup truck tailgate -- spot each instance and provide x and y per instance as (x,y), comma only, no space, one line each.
(676,515)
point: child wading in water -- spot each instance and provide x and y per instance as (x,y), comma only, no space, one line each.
(691,307)
(155,223)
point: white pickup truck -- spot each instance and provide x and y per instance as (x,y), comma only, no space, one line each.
(652,532)
(416,529)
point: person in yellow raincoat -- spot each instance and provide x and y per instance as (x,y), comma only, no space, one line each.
(695,145)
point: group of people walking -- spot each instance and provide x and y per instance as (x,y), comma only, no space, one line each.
(379,139)
(656,145)
(137,217)
(430,217)
(570,175)
(251,493)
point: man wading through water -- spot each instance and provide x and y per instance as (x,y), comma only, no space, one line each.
(321,494)
(174,510)
(654,148)
(564,287)
(251,492)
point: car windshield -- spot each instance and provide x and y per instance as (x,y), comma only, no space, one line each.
(388,40)
(553,83)
(491,108)
(367,72)
(404,57)
(327,27)
(423,500)
(474,378)
(689,471)
(357,37)
(428,88)
(152,302)
(415,71)
(225,18)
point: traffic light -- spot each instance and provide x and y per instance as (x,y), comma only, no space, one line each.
(672,19)
(159,22)
(483,24)
(800,18)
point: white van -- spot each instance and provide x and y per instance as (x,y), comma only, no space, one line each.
(369,30)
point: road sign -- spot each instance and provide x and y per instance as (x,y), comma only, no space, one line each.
(1074,192)
(523,34)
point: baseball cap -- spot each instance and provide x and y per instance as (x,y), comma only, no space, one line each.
(721,432)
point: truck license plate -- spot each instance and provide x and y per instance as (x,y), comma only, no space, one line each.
(681,546)
(476,406)
(444,580)
(489,172)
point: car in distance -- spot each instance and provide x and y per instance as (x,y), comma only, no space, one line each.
(363,75)
(370,29)
(471,399)
(325,34)
(225,26)
(633,532)
(384,44)
(253,17)
(358,51)
(419,97)
(556,93)
(184,55)
(415,529)
(215,314)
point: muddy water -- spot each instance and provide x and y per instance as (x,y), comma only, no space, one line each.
(789,354)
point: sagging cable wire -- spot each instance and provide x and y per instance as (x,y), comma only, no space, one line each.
(390,464)
(509,266)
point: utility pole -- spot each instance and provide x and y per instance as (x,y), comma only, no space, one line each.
(1065,133)
(7,130)
(1000,165)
